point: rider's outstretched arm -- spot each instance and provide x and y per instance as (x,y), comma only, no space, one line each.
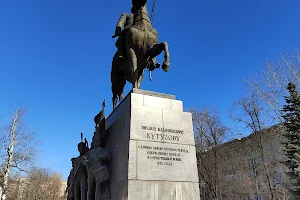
(122,20)
(120,24)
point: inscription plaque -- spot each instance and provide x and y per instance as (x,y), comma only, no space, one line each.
(165,161)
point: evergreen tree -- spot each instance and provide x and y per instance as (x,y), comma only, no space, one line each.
(292,143)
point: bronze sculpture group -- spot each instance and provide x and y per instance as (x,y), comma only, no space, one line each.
(88,179)
(137,48)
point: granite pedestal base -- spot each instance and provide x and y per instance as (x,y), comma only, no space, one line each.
(152,145)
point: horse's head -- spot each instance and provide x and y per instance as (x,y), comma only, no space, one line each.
(137,5)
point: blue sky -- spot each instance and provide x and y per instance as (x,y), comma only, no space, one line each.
(55,59)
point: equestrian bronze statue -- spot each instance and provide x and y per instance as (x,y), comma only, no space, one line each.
(137,48)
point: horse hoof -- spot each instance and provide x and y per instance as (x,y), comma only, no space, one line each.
(157,65)
(165,66)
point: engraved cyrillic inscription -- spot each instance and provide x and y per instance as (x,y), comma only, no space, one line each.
(162,134)
(164,155)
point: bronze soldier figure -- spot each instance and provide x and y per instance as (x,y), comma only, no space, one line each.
(97,160)
(70,183)
(80,174)
(126,21)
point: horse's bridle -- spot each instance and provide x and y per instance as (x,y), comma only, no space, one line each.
(139,12)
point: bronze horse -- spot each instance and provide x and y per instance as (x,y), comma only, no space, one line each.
(141,48)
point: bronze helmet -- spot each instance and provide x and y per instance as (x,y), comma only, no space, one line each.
(137,5)
(139,2)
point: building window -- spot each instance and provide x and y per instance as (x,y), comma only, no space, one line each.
(230,177)
(278,176)
(284,157)
(258,161)
(260,197)
(279,156)
(268,158)
(250,153)
(274,145)
(267,146)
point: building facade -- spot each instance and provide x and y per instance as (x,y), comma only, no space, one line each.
(245,168)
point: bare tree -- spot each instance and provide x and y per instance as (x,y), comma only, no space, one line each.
(208,127)
(42,184)
(209,133)
(270,84)
(12,190)
(248,112)
(17,150)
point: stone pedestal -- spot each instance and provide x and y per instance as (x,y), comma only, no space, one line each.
(152,145)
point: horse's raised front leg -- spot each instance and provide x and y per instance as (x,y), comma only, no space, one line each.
(114,101)
(113,79)
(122,81)
(133,67)
(140,78)
(121,96)
(157,49)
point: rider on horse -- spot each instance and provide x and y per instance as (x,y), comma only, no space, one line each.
(126,21)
